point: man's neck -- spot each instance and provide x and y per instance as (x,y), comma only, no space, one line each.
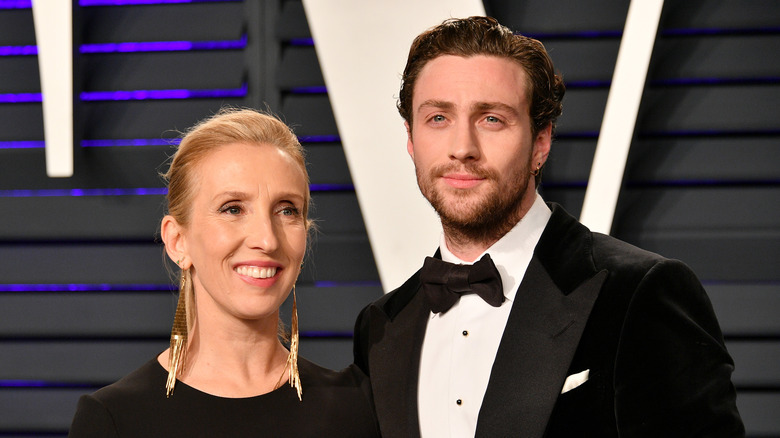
(468,251)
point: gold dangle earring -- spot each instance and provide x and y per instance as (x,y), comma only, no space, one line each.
(178,352)
(292,358)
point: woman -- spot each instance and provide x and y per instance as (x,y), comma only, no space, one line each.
(238,199)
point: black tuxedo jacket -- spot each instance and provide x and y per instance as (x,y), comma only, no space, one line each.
(641,324)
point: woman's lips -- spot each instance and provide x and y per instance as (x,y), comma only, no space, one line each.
(256,271)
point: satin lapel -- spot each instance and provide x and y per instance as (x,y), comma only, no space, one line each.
(540,339)
(395,356)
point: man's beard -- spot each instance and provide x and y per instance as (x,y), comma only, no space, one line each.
(484,220)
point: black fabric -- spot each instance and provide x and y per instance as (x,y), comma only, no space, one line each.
(444,282)
(335,404)
(658,366)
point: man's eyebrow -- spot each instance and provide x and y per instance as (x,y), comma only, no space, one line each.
(441,104)
(482,106)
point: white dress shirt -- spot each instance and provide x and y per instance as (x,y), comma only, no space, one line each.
(461,344)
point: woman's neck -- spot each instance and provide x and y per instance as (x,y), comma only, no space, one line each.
(240,359)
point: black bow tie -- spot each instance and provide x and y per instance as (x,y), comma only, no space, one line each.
(444,282)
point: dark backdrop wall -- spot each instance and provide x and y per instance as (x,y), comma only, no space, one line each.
(84,294)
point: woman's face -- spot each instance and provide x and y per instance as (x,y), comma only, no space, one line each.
(247,236)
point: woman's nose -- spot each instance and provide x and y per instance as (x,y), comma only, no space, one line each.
(261,233)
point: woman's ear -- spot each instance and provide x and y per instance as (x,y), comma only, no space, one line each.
(172,234)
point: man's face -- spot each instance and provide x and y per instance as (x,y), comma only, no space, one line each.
(471,143)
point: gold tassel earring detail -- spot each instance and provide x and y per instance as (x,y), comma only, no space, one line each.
(292,358)
(178,352)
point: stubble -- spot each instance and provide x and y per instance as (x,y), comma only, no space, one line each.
(470,218)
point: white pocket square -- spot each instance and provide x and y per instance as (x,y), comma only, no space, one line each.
(575,380)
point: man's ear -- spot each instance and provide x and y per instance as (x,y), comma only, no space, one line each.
(409,144)
(542,144)
(172,234)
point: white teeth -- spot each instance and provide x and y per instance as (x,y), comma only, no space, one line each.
(256,271)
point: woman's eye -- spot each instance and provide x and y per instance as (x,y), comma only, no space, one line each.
(289,211)
(231,209)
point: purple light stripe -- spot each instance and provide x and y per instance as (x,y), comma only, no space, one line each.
(25,144)
(40,144)
(130,142)
(319,139)
(316,89)
(92,96)
(710,133)
(144,2)
(158,191)
(703,183)
(369,283)
(331,187)
(18,50)
(301,42)
(15,4)
(41,384)
(326,334)
(27,4)
(671,183)
(163,46)
(134,47)
(162,142)
(21,97)
(85,287)
(720,31)
(25,193)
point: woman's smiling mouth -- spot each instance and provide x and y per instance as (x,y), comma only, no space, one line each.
(256,271)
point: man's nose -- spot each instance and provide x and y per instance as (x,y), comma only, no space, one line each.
(465,144)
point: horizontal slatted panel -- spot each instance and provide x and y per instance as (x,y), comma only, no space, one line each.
(40,410)
(701,183)
(746,309)
(95,242)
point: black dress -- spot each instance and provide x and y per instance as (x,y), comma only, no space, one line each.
(335,404)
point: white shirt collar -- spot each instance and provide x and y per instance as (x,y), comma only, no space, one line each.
(513,252)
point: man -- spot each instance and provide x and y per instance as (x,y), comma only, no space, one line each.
(554,331)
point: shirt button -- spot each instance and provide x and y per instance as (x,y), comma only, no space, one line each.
(459,402)
(465,332)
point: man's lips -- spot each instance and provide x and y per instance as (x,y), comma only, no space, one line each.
(461,180)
